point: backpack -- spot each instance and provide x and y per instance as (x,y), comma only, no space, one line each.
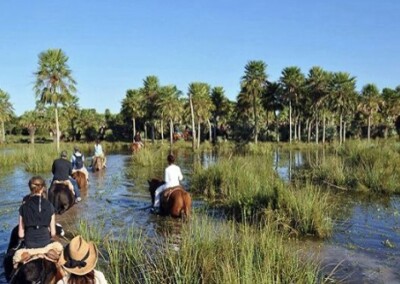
(78,162)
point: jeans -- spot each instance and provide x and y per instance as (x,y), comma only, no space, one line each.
(158,192)
(76,188)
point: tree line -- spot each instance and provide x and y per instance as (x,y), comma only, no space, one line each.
(318,107)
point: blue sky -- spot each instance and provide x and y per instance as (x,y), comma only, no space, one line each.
(113,45)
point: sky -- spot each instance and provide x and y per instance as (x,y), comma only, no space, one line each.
(114,45)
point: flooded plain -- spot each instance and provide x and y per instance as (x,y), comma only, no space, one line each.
(363,249)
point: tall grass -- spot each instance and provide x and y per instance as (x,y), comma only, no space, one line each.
(359,166)
(248,186)
(207,252)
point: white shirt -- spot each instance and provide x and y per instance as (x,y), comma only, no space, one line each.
(98,150)
(173,175)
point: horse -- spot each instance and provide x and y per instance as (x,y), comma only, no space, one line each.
(61,196)
(135,147)
(80,179)
(36,271)
(175,201)
(98,164)
(176,136)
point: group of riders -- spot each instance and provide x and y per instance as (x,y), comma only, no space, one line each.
(37,226)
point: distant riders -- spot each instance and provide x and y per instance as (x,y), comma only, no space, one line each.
(77,161)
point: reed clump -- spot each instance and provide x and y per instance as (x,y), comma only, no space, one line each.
(248,188)
(358,166)
(207,251)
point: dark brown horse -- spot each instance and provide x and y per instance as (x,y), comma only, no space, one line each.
(175,201)
(98,164)
(135,147)
(61,197)
(80,179)
(36,271)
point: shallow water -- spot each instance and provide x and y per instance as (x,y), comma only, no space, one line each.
(364,246)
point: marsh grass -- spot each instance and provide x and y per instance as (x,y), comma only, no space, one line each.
(207,252)
(359,166)
(248,187)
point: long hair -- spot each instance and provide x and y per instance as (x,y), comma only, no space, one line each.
(36,184)
(88,278)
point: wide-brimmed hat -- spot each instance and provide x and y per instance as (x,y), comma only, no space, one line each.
(79,257)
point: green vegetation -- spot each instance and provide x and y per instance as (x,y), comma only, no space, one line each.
(205,251)
(358,166)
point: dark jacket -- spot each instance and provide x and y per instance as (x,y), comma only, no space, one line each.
(61,169)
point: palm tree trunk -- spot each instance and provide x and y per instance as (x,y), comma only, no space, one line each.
(255,119)
(152,132)
(369,127)
(340,128)
(32,135)
(299,130)
(316,131)
(3,132)
(145,132)
(323,128)
(171,129)
(57,129)
(193,125)
(199,133)
(162,131)
(344,132)
(210,131)
(133,128)
(309,131)
(290,121)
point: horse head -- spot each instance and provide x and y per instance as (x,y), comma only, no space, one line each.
(153,185)
(61,196)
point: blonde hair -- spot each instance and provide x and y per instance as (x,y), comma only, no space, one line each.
(36,184)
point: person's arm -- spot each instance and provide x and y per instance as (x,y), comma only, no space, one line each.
(70,169)
(21,228)
(166,175)
(53,226)
(53,168)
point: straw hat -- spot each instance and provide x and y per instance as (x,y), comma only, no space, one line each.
(79,257)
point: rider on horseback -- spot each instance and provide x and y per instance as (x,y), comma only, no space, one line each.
(77,161)
(98,152)
(62,171)
(172,177)
(138,139)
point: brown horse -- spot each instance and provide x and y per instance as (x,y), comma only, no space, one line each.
(175,201)
(135,147)
(98,164)
(61,197)
(80,179)
(36,271)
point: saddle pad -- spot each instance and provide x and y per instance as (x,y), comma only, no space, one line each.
(51,252)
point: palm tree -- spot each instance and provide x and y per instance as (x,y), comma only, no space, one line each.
(151,88)
(253,84)
(170,106)
(390,108)
(6,112)
(293,82)
(342,90)
(370,103)
(272,101)
(54,83)
(31,120)
(222,107)
(201,105)
(317,84)
(133,103)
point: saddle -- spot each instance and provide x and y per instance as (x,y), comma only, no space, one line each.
(50,252)
(67,183)
(167,193)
